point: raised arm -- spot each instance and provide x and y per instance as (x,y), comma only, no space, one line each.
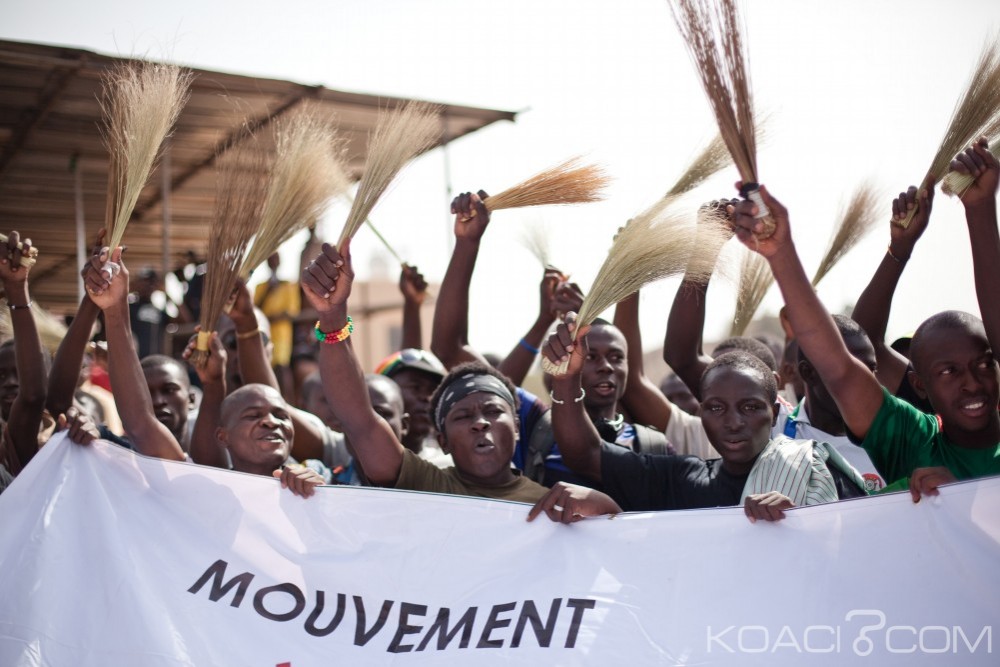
(135,406)
(326,283)
(26,411)
(872,309)
(205,448)
(414,290)
(682,342)
(65,373)
(854,387)
(450,335)
(643,399)
(579,441)
(556,296)
(980,202)
(255,368)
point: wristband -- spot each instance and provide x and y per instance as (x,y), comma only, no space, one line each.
(16,307)
(575,400)
(335,337)
(898,260)
(247,334)
(528,346)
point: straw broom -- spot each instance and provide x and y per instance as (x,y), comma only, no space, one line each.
(649,247)
(25,260)
(309,170)
(976,114)
(51,329)
(535,238)
(140,102)
(955,183)
(399,136)
(239,205)
(713,33)
(857,220)
(566,183)
(712,158)
(755,280)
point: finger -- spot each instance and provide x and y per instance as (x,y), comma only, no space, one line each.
(895,208)
(483,196)
(567,502)
(968,163)
(322,279)
(61,422)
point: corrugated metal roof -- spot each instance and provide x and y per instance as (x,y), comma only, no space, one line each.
(49,125)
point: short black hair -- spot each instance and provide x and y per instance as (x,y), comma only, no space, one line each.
(751,346)
(476,368)
(740,360)
(155,360)
(849,330)
(948,319)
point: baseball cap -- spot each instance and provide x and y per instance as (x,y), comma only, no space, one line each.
(419,360)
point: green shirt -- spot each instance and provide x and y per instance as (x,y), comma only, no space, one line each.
(901,438)
(415,474)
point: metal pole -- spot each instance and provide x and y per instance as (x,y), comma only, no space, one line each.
(81,242)
(165,188)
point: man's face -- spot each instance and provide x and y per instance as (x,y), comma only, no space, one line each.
(417,387)
(959,375)
(8,380)
(605,369)
(315,402)
(737,414)
(480,434)
(678,393)
(171,395)
(387,403)
(860,348)
(257,429)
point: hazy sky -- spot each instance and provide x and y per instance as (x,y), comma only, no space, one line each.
(857,89)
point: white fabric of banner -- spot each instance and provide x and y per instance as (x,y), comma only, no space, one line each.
(109,558)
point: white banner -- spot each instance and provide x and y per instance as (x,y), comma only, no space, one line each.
(108,558)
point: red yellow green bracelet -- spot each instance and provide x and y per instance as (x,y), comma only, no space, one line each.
(335,337)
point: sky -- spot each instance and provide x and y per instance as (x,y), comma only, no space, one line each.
(857,90)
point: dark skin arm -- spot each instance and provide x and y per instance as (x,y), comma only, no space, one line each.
(414,290)
(980,202)
(326,283)
(872,309)
(450,335)
(128,383)
(256,369)
(853,386)
(643,400)
(205,448)
(557,296)
(26,411)
(579,441)
(569,503)
(65,373)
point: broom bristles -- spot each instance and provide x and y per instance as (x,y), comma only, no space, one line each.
(239,204)
(755,280)
(309,170)
(399,137)
(976,113)
(536,238)
(858,219)
(712,158)
(140,102)
(567,183)
(51,330)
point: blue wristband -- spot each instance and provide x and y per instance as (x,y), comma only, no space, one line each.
(526,345)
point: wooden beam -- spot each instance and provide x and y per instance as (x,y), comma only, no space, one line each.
(54,84)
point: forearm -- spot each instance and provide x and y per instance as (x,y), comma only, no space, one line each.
(872,314)
(26,411)
(412,330)
(132,399)
(644,401)
(985,238)
(376,448)
(578,440)
(205,448)
(65,373)
(518,361)
(682,342)
(451,315)
(254,366)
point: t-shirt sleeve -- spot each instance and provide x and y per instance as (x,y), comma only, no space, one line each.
(899,438)
(687,435)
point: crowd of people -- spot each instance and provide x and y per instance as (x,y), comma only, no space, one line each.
(861,418)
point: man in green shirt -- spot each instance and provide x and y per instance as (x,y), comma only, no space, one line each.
(952,352)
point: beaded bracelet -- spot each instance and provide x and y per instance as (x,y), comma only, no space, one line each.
(335,337)
(16,307)
(579,398)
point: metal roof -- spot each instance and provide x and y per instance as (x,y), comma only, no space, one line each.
(49,131)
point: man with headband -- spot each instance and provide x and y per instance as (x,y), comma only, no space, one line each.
(474,407)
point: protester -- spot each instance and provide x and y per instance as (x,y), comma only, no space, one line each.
(954,366)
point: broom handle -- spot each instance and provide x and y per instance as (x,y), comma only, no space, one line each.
(752,192)
(384,242)
(26,260)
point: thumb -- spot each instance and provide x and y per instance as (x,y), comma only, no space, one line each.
(61,422)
